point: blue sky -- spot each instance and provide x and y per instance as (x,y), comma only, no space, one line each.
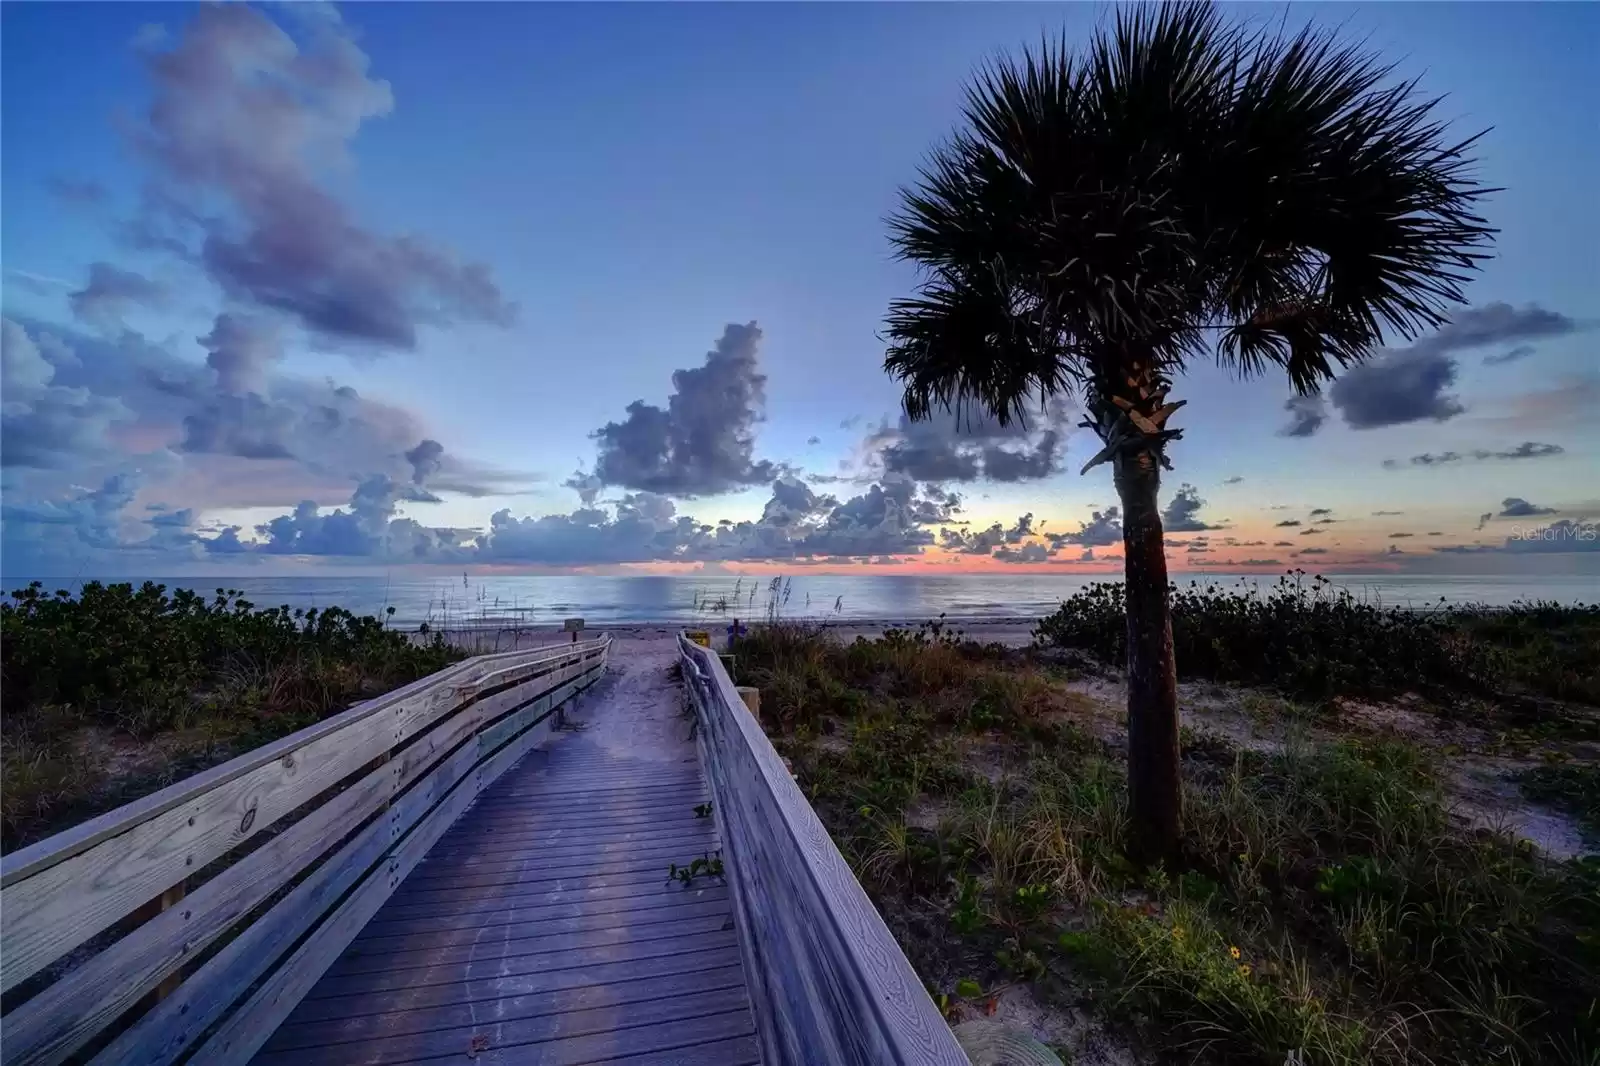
(601,191)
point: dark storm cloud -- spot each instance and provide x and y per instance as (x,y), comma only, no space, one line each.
(1182,514)
(1306,415)
(111,291)
(243,115)
(1516,507)
(703,441)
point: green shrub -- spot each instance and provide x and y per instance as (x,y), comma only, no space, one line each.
(141,664)
(1311,639)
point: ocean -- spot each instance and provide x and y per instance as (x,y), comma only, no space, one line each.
(466,601)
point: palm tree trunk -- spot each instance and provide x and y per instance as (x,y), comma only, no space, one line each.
(1154,785)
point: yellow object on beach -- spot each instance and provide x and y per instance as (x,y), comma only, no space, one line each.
(701,637)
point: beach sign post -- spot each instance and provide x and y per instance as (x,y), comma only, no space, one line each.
(700,637)
(573,626)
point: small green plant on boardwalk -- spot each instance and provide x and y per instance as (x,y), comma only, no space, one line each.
(707,865)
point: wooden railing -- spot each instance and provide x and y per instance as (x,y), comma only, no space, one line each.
(828,984)
(196,918)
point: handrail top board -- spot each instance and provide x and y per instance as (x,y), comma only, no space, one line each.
(871,950)
(53,850)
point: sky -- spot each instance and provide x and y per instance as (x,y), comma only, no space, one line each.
(534,288)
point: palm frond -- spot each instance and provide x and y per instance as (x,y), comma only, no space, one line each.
(1179,188)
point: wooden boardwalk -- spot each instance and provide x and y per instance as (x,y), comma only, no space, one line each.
(541,928)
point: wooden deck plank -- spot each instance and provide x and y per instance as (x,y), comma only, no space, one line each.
(680,1005)
(533,940)
(572,906)
(540,997)
(496,965)
(591,919)
(678,1036)
(542,927)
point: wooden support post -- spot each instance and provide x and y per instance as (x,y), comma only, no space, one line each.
(169,899)
(752,699)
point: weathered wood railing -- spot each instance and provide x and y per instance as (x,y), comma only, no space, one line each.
(200,915)
(828,984)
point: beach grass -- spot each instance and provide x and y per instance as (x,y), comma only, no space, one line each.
(1335,901)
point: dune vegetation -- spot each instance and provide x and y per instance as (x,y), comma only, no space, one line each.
(1353,885)
(118,691)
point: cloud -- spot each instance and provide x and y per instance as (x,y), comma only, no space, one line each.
(1260,562)
(1232,480)
(1311,532)
(240,350)
(1516,507)
(1283,544)
(813,441)
(1103,530)
(45,424)
(1526,450)
(966,447)
(1521,351)
(1381,514)
(1288,522)
(1319,511)
(1312,551)
(1396,388)
(893,518)
(1182,514)
(425,459)
(54,535)
(995,541)
(1563,536)
(1397,536)
(1495,323)
(111,291)
(703,442)
(244,118)
(1409,384)
(1306,415)
(1027,553)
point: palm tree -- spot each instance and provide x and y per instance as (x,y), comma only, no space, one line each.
(1184,188)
